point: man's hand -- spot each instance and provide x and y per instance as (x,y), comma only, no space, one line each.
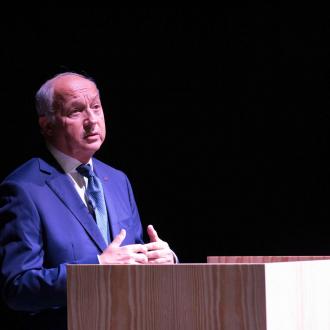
(158,250)
(133,254)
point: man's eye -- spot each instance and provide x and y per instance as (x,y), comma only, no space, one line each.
(74,112)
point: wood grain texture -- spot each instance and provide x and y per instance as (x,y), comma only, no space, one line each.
(297,289)
(261,259)
(157,297)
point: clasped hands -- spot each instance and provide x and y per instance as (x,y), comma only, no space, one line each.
(155,252)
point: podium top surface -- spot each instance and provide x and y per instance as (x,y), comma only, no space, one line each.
(262,259)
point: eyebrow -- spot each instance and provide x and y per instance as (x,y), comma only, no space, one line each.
(77,102)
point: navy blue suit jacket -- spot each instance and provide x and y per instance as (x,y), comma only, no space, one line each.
(44,225)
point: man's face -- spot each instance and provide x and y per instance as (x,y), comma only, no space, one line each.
(79,128)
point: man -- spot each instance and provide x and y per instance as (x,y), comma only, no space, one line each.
(47,214)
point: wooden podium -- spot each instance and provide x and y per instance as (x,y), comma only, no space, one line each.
(226,293)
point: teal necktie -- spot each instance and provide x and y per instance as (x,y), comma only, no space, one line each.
(95,199)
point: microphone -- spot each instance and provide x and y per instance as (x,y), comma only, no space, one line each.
(91,207)
(91,204)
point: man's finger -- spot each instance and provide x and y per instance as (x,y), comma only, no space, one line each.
(152,234)
(136,248)
(119,238)
(163,260)
(140,258)
(156,245)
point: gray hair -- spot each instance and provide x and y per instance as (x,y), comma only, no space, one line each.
(44,98)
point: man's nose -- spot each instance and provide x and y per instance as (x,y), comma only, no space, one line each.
(90,115)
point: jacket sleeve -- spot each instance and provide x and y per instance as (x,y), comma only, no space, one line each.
(26,284)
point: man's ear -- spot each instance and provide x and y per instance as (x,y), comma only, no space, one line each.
(46,126)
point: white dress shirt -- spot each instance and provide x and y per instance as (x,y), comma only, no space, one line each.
(69,166)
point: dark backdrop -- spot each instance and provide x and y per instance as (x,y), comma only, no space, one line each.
(219,117)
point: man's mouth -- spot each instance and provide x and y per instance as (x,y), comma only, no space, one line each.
(87,135)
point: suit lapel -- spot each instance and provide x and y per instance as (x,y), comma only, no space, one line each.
(61,185)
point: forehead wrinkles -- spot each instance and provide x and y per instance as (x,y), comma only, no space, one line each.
(82,94)
(72,87)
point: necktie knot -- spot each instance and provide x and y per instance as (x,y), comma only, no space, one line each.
(85,170)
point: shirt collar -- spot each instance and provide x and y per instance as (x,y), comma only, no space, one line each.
(68,163)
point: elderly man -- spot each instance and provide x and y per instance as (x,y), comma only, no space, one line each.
(67,207)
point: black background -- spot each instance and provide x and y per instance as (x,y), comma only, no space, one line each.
(219,117)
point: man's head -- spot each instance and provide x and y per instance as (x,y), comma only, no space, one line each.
(71,115)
